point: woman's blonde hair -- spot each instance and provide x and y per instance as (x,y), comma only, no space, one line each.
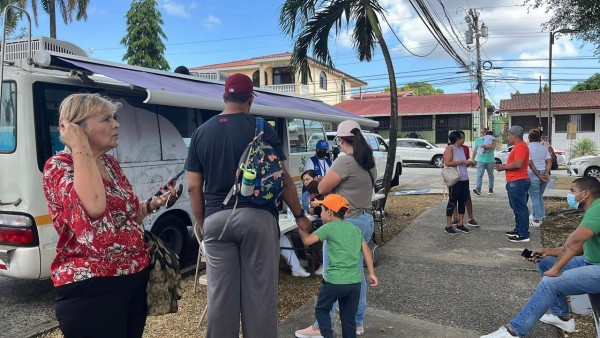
(77,108)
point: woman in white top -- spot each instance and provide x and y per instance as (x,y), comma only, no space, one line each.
(540,163)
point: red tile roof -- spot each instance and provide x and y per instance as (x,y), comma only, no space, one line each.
(414,105)
(584,99)
(381,94)
(251,62)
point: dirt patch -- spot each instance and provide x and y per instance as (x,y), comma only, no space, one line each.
(557,226)
(293,291)
(564,182)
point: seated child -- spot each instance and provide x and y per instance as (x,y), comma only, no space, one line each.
(344,273)
(488,139)
(307,177)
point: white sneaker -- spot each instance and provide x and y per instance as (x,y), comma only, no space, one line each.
(309,332)
(534,223)
(568,326)
(300,272)
(319,271)
(502,332)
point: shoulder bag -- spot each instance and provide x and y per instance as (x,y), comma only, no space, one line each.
(450,175)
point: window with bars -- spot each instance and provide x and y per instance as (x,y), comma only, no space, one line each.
(585,122)
(417,123)
(528,122)
(461,121)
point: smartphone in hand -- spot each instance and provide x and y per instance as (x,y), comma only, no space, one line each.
(529,255)
(169,182)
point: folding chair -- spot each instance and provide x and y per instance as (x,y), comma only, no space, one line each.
(202,279)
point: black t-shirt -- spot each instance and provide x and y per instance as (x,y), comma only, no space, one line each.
(215,151)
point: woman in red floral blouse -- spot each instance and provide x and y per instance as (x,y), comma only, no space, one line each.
(99,271)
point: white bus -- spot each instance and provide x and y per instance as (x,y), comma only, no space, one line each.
(160,112)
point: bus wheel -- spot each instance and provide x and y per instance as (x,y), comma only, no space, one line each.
(172,231)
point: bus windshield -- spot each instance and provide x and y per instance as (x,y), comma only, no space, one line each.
(8,118)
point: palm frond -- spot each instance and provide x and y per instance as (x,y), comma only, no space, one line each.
(315,36)
(295,13)
(363,36)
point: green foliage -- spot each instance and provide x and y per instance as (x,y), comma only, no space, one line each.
(575,14)
(143,39)
(546,88)
(584,147)
(592,82)
(421,88)
(13,16)
(310,22)
(66,7)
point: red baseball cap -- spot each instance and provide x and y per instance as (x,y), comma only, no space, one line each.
(239,83)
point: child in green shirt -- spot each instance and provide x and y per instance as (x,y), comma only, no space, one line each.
(344,273)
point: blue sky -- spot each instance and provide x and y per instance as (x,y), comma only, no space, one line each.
(204,32)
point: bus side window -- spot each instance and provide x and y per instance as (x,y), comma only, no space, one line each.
(8,118)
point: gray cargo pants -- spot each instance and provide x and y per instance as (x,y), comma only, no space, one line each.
(242,270)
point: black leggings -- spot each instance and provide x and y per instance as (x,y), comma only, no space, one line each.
(103,306)
(458,197)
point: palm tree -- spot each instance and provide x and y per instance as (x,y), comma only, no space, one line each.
(67,9)
(311,21)
(12,18)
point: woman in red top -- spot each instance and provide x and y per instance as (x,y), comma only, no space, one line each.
(99,272)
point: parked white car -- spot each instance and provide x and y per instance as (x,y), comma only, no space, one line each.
(380,151)
(585,166)
(501,156)
(415,150)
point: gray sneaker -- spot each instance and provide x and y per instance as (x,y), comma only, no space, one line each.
(477,191)
(473,222)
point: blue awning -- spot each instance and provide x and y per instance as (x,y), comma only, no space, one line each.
(179,90)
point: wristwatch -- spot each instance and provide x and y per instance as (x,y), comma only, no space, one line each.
(301,214)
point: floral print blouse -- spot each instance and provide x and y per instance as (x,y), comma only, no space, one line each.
(110,245)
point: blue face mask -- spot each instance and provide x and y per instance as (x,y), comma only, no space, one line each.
(571,200)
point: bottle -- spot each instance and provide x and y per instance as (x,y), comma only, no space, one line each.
(248,180)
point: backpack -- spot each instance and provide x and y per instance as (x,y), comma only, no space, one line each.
(262,158)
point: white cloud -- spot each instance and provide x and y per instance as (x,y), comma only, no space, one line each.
(177,9)
(211,21)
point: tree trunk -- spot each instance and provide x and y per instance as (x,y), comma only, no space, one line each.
(52,12)
(391,159)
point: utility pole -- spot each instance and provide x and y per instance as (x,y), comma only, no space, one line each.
(472,19)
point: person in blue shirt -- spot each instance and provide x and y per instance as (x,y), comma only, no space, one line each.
(320,162)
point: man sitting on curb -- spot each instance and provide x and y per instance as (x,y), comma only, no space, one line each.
(566,271)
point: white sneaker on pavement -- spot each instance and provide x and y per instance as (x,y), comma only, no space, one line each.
(300,272)
(502,332)
(565,325)
(309,332)
(319,271)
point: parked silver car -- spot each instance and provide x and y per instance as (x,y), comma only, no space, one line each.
(415,150)
(501,156)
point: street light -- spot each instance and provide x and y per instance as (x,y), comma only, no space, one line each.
(562,31)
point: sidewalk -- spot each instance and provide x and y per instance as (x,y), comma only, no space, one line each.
(436,285)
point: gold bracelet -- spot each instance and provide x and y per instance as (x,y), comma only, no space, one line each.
(82,153)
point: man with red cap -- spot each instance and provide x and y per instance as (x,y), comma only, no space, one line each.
(242,258)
